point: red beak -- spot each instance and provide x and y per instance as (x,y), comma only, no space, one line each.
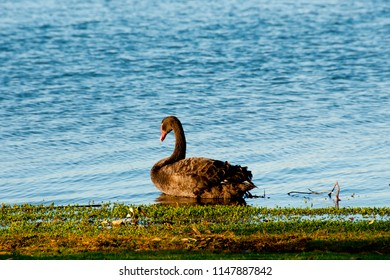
(163,135)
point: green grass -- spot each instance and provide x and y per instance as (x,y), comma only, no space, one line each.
(192,232)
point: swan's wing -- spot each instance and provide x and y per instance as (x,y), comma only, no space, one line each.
(204,174)
(209,171)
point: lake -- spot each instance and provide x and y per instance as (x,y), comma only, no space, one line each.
(298,91)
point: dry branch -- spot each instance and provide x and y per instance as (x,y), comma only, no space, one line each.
(310,192)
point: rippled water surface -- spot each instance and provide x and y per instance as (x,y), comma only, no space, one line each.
(298,91)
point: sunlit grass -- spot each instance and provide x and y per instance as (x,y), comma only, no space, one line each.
(124,231)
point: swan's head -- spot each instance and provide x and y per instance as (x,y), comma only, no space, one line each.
(167,125)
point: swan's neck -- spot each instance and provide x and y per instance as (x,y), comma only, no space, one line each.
(179,152)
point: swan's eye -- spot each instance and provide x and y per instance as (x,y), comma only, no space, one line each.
(165,128)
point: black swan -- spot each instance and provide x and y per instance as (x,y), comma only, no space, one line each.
(197,176)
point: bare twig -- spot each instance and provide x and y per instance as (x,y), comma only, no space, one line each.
(310,192)
(249,195)
(337,194)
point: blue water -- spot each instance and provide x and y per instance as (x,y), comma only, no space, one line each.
(298,91)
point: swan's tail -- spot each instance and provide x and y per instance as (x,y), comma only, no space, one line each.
(235,182)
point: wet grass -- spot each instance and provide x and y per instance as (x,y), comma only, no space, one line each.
(120,231)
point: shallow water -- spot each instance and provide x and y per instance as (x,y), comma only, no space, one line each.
(298,91)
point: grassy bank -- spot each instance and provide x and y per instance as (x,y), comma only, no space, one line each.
(119,231)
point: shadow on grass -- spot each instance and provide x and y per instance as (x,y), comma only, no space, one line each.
(197,255)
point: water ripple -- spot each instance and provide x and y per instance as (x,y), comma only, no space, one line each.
(298,91)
